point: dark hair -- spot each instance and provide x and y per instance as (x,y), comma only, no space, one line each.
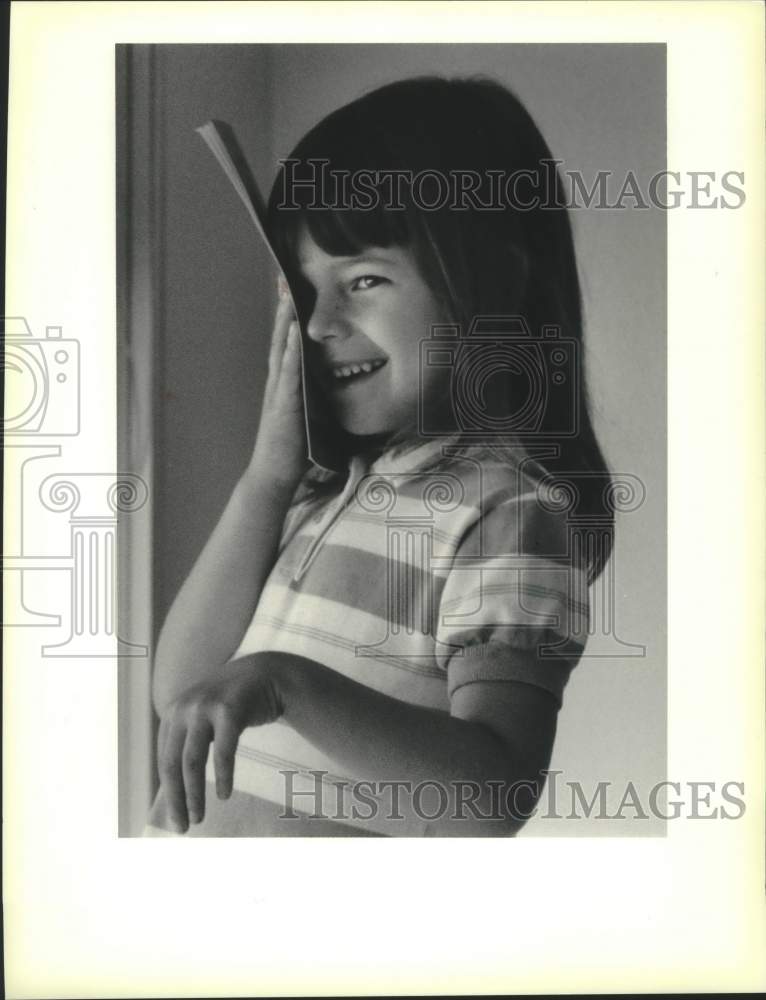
(505,260)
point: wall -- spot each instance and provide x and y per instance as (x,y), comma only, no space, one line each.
(215,303)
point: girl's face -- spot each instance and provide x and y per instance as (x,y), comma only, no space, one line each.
(369,315)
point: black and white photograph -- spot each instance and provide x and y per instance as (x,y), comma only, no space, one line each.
(394,355)
(384,469)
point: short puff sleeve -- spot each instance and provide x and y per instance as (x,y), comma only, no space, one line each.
(514,588)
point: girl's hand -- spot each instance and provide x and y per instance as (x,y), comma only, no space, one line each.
(279,454)
(212,712)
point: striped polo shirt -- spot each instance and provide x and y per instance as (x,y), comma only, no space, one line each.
(419,573)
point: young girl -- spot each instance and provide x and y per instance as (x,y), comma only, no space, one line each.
(383,650)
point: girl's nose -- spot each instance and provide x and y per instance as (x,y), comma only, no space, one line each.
(326,320)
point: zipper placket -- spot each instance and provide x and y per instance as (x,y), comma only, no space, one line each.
(356,471)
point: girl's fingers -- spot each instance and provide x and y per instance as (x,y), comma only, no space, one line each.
(226,738)
(291,358)
(195,753)
(284,315)
(171,775)
(285,391)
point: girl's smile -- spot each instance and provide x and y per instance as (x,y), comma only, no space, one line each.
(367,318)
(354,369)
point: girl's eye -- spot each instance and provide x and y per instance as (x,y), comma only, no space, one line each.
(365,282)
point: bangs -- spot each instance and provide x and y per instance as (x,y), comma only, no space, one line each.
(338,232)
(315,185)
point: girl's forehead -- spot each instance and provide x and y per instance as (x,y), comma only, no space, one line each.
(311,255)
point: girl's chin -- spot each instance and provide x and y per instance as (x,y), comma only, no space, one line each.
(363,430)
(358,421)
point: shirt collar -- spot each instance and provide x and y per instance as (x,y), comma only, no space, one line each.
(407,457)
(411,457)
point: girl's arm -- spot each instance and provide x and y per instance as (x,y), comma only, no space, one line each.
(496,731)
(215,605)
(216,602)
